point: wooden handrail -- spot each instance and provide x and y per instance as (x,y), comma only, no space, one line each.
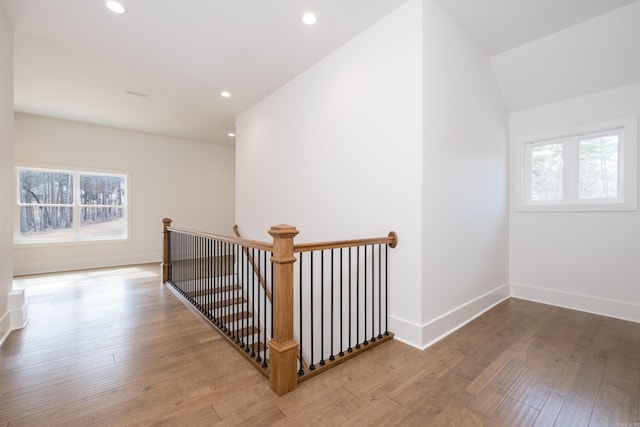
(256,269)
(234,240)
(284,350)
(391,240)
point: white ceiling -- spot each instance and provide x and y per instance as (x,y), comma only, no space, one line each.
(76,60)
(500,25)
(596,55)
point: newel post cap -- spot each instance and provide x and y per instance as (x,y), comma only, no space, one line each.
(283,230)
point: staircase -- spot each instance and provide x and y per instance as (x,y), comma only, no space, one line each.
(294,310)
(218,296)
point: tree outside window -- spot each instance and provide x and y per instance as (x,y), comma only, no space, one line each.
(57,205)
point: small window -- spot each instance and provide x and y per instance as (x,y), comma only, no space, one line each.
(59,205)
(546,171)
(598,167)
(586,169)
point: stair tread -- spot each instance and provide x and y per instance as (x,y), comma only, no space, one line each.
(250,330)
(203,292)
(223,303)
(236,316)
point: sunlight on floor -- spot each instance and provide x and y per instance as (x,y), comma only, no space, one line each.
(46,283)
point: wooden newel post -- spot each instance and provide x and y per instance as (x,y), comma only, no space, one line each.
(166,260)
(283,349)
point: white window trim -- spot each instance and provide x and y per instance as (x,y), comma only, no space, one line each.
(75,206)
(627,171)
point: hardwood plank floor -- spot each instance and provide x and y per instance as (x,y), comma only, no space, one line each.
(116,347)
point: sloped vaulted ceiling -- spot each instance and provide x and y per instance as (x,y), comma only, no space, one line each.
(544,51)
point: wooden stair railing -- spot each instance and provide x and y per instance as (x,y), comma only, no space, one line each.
(256,268)
(286,366)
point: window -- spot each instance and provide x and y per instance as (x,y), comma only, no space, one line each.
(62,205)
(592,168)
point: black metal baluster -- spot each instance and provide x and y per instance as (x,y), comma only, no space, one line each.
(185,263)
(273,296)
(175,273)
(234,282)
(224,291)
(194,266)
(207,278)
(386,289)
(199,274)
(220,306)
(350,349)
(301,370)
(229,291)
(258,358)
(379,292)
(180,264)
(373,294)
(312,366)
(253,299)
(322,362)
(341,307)
(214,290)
(243,285)
(332,357)
(220,291)
(358,297)
(192,274)
(364,305)
(264,310)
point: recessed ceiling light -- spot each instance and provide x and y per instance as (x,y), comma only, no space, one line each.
(309,18)
(231,134)
(115,6)
(225,94)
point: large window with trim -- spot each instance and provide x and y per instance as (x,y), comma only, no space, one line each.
(68,205)
(590,168)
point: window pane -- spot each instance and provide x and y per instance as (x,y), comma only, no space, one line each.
(102,223)
(598,175)
(546,172)
(45,187)
(102,190)
(46,222)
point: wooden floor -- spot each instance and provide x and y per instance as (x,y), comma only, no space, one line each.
(116,347)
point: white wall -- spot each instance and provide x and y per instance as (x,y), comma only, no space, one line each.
(465,182)
(402,128)
(336,152)
(582,260)
(190,182)
(6,168)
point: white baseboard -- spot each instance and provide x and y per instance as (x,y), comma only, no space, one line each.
(83,264)
(5,326)
(17,314)
(607,307)
(405,331)
(18,309)
(423,336)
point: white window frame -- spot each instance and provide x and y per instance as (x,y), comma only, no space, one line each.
(75,206)
(627,169)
